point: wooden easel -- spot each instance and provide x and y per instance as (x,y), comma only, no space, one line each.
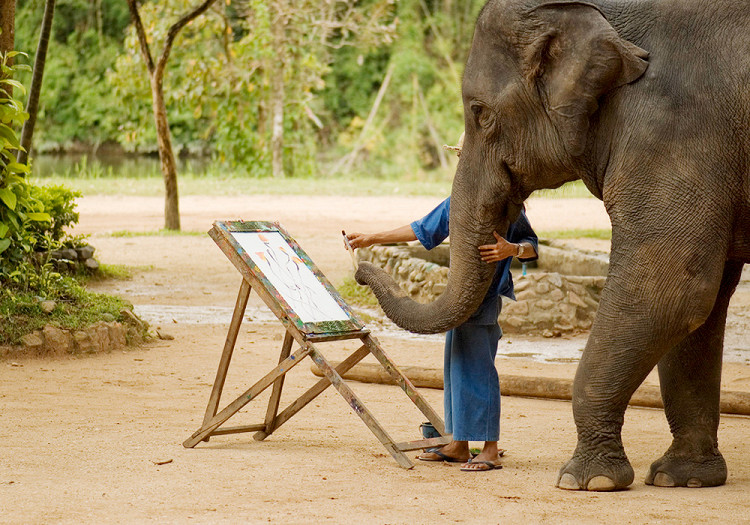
(307,335)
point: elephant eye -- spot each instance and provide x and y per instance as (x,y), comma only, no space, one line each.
(482,114)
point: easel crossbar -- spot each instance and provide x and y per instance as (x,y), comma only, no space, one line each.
(250,394)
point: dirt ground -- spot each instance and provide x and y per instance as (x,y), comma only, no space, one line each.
(98,439)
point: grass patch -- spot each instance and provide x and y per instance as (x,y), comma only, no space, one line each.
(603,234)
(221,184)
(76,309)
(154,233)
(118,272)
(356,295)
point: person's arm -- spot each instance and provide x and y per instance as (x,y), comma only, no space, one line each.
(363,240)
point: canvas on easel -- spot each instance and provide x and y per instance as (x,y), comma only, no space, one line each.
(312,312)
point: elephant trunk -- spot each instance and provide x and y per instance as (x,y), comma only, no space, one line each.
(468,280)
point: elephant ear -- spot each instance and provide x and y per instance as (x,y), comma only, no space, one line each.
(576,56)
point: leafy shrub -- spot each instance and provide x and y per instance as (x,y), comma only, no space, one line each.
(19,208)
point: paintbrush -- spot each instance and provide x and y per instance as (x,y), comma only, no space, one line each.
(350,250)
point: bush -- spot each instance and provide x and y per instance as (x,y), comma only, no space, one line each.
(20,210)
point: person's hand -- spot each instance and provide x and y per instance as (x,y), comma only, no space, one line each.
(359,240)
(499,251)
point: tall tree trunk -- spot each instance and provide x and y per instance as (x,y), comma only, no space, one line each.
(7,34)
(32,106)
(156,76)
(277,128)
(7,25)
(166,156)
(278,33)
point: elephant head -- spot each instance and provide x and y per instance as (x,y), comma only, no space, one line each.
(535,76)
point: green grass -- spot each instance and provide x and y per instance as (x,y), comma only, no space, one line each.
(220,181)
(357,295)
(219,185)
(603,234)
(154,233)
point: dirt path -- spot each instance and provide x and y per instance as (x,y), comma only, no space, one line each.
(83,438)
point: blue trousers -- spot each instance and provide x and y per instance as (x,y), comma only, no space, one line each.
(471,390)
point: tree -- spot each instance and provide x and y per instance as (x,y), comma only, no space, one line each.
(32,105)
(156,78)
(7,25)
(7,37)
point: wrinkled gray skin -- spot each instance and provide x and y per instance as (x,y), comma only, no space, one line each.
(648,103)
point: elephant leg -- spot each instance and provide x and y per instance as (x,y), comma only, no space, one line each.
(690,377)
(649,305)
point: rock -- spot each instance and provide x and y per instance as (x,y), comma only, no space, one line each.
(117,335)
(168,337)
(91,264)
(69,254)
(542,288)
(518,308)
(574,299)
(555,280)
(33,342)
(85,252)
(544,304)
(521,285)
(47,306)
(556,295)
(83,342)
(57,341)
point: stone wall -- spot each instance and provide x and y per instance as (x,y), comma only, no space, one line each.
(103,336)
(548,302)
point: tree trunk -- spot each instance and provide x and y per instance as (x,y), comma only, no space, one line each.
(7,25)
(7,34)
(32,106)
(166,157)
(277,128)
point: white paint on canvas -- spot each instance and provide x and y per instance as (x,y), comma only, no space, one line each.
(291,277)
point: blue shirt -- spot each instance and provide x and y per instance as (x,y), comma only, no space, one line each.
(432,229)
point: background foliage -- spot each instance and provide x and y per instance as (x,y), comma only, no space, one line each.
(332,56)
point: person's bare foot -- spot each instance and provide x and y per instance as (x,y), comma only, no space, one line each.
(487,459)
(453,452)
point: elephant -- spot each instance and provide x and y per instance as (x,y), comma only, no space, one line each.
(647,103)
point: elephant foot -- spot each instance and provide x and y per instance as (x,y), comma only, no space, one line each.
(595,472)
(681,471)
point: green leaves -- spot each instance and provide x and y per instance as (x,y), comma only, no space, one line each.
(8,198)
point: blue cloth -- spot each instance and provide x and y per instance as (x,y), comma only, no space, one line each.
(471,391)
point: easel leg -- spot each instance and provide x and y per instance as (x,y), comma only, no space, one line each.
(404,383)
(250,394)
(360,409)
(314,391)
(273,403)
(226,356)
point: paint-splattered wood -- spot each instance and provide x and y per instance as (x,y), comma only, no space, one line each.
(247,396)
(401,380)
(273,402)
(312,393)
(360,409)
(424,443)
(226,356)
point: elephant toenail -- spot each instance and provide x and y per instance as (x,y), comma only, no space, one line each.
(663,480)
(694,483)
(568,482)
(601,483)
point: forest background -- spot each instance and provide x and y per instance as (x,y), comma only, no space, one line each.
(261,87)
